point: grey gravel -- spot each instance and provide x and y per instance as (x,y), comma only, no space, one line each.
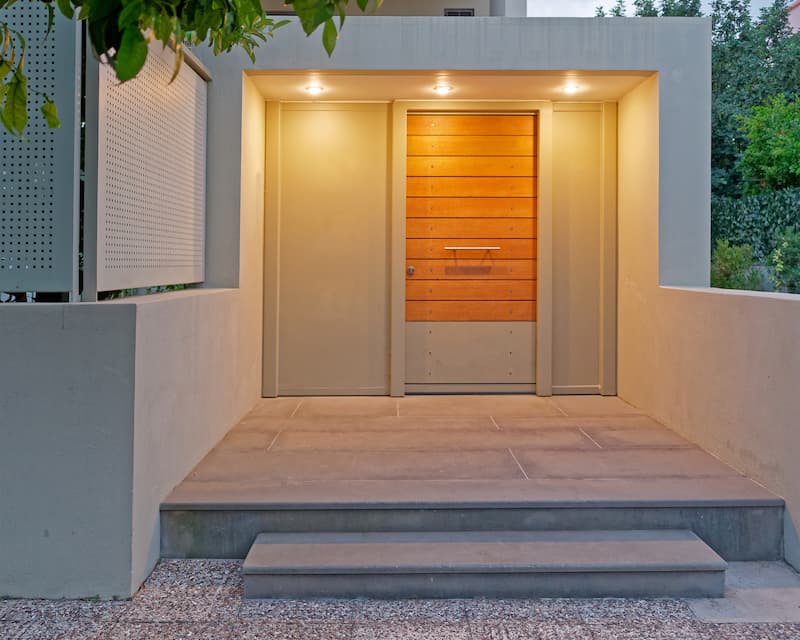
(203,600)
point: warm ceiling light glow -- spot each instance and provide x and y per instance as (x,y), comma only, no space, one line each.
(443,89)
(571,88)
(314,89)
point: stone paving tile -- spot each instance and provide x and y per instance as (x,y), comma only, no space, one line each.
(62,611)
(540,610)
(5,607)
(196,573)
(637,630)
(291,630)
(412,630)
(611,610)
(529,630)
(59,619)
(168,631)
(408,610)
(12,630)
(303,610)
(172,603)
(756,631)
(83,629)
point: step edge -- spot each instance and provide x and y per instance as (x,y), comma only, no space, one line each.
(775,503)
(483,570)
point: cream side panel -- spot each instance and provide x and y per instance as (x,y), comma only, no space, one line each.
(333,300)
(577,248)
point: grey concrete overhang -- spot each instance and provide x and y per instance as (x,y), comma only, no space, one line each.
(521,44)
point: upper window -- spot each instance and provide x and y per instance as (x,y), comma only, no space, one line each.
(459,12)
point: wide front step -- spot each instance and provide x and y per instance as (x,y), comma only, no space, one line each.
(674,563)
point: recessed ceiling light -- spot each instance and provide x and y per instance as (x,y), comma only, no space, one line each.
(443,89)
(314,90)
(571,88)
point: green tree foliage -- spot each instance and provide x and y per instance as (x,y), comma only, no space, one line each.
(681,8)
(119,32)
(619,9)
(771,159)
(756,220)
(751,61)
(732,267)
(648,9)
(645,8)
(786,261)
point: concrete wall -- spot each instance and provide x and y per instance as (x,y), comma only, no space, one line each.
(198,353)
(677,48)
(105,407)
(410,7)
(66,460)
(719,367)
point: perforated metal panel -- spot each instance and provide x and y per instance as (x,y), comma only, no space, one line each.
(38,178)
(151,176)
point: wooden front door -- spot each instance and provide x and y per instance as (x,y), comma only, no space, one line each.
(471,252)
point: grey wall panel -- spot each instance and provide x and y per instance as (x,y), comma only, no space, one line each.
(38,175)
(470,352)
(333,321)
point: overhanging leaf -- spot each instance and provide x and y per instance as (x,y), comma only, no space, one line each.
(51,18)
(15,110)
(129,16)
(50,113)
(329,36)
(132,53)
(65,6)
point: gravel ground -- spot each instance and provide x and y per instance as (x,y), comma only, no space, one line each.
(202,600)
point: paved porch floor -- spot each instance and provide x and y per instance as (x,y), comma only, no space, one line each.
(431,449)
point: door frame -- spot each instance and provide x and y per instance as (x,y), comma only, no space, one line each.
(544,240)
(397,228)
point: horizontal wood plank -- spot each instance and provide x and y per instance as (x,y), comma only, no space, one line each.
(478,187)
(474,269)
(470,207)
(484,166)
(471,146)
(433,249)
(470,289)
(471,124)
(470,311)
(471,228)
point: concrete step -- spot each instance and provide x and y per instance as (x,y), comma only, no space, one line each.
(655,563)
(740,520)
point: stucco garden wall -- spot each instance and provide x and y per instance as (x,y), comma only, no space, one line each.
(105,407)
(720,367)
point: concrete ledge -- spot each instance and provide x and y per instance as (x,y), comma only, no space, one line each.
(415,494)
(735,533)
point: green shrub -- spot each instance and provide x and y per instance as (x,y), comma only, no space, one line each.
(755,220)
(732,267)
(786,260)
(772,157)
